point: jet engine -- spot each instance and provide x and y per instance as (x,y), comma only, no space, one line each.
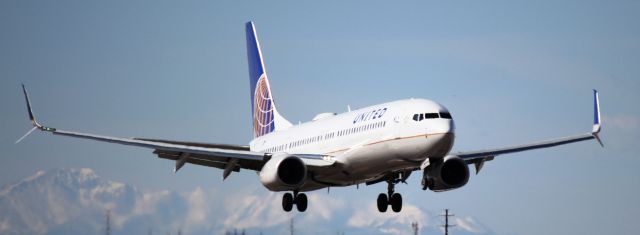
(283,173)
(445,174)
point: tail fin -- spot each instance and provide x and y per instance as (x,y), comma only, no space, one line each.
(266,118)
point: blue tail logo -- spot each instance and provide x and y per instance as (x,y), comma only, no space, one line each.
(266,118)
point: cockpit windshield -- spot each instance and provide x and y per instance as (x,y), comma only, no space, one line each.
(422,116)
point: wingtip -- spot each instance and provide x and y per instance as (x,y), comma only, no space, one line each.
(32,117)
(597,119)
(597,137)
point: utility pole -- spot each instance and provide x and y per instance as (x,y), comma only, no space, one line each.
(107,228)
(291,226)
(415,228)
(446,224)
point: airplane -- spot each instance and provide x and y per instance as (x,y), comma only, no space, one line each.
(380,143)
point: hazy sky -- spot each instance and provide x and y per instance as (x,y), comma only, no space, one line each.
(509,71)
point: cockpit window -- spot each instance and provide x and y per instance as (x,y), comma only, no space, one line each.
(445,115)
(430,115)
(422,116)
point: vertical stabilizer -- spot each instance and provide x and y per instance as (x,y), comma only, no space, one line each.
(266,118)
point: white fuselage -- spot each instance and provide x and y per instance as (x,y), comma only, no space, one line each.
(369,142)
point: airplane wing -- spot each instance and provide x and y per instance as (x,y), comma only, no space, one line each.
(227,157)
(479,157)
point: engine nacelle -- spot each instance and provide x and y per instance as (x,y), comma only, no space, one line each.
(448,173)
(283,173)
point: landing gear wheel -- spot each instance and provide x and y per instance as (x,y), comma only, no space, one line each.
(396,202)
(287,202)
(301,202)
(383,202)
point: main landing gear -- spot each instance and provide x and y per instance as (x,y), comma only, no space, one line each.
(300,199)
(391,198)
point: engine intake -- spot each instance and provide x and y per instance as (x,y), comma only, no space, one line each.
(292,170)
(283,173)
(445,174)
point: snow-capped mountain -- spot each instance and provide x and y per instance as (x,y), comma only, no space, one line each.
(69,201)
(75,201)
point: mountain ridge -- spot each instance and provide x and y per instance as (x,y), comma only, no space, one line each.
(75,201)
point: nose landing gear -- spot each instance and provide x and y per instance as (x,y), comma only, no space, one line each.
(299,199)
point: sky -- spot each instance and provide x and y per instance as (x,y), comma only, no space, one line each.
(510,72)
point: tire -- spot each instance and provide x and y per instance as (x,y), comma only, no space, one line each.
(301,202)
(287,202)
(396,202)
(383,202)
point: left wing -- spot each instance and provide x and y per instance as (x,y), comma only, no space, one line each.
(227,157)
(479,157)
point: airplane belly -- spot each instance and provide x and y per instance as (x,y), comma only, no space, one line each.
(372,160)
(391,156)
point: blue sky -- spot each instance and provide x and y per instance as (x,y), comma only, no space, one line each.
(509,71)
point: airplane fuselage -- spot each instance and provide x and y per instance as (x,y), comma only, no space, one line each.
(369,142)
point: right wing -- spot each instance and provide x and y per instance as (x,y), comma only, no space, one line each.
(227,157)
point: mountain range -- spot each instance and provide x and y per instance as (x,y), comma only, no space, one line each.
(77,201)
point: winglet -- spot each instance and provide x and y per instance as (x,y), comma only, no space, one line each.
(32,117)
(597,120)
(34,122)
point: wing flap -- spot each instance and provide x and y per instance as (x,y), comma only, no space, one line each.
(199,144)
(211,161)
(199,161)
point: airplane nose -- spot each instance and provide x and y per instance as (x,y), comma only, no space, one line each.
(443,137)
(444,126)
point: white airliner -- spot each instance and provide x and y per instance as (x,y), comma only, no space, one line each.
(379,143)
